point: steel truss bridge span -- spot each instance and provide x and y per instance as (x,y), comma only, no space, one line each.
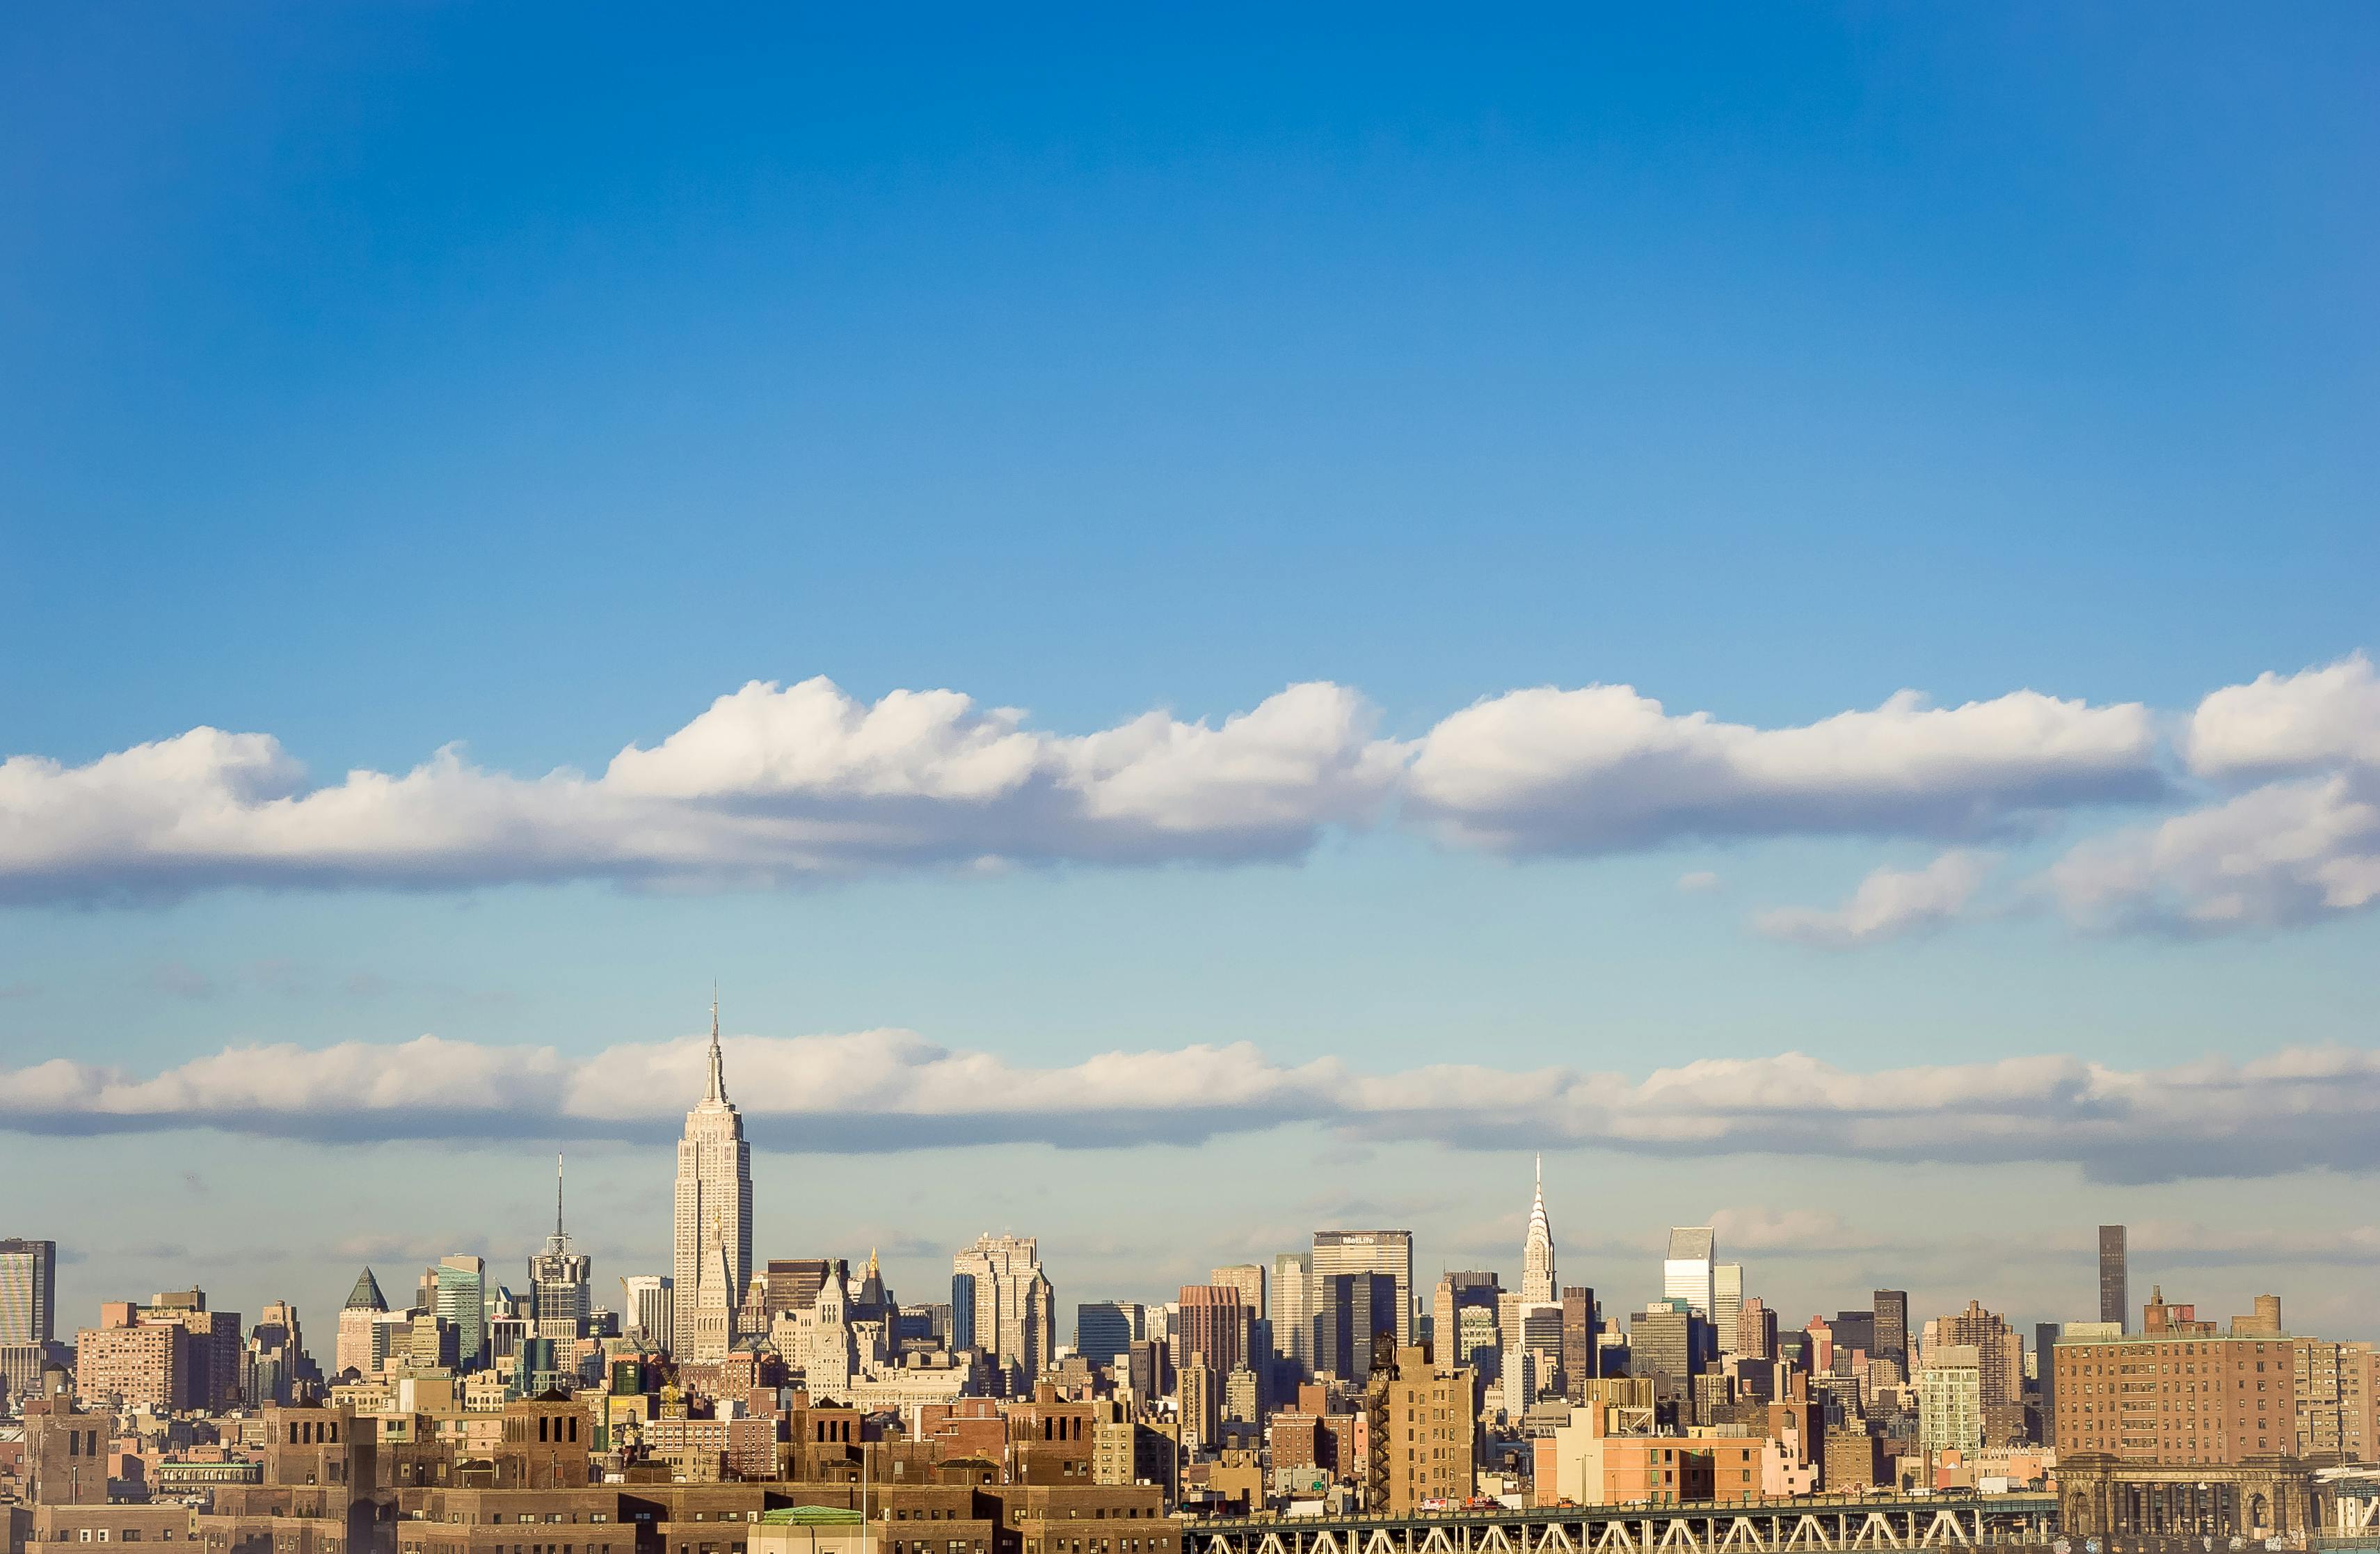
(1773,1527)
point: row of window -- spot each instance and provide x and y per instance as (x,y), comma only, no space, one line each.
(100,1535)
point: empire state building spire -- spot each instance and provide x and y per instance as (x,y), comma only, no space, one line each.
(717,1095)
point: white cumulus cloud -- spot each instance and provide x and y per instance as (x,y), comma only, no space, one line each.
(1889,904)
(774,784)
(1603,768)
(2320,718)
(2300,847)
(767,786)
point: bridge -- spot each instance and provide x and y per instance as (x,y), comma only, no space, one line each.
(1817,1524)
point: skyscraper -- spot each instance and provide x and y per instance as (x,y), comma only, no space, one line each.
(1538,1286)
(461,1299)
(705,1329)
(714,1190)
(1107,1329)
(1248,1279)
(362,1337)
(1892,1327)
(1686,1273)
(646,1299)
(1727,1299)
(1010,1310)
(1578,1341)
(1215,1322)
(1292,1308)
(1366,1252)
(2044,1349)
(557,1280)
(29,1272)
(2115,1302)
(1350,1311)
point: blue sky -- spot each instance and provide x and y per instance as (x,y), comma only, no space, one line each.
(387,379)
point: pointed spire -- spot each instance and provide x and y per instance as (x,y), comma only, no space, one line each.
(718,1090)
(557,1194)
(366,1295)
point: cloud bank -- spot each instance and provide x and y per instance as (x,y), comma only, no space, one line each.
(778,785)
(774,784)
(769,785)
(2296,1110)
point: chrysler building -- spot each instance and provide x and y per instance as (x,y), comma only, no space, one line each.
(714,1191)
(1538,1286)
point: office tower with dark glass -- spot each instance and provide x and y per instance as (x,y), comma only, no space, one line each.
(1106,1330)
(1350,1310)
(2114,1300)
(1578,1341)
(1891,1308)
(1365,1251)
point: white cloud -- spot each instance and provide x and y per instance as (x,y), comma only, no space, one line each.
(1698,881)
(2315,719)
(767,786)
(776,785)
(892,1090)
(1888,904)
(2300,849)
(2288,853)
(1552,771)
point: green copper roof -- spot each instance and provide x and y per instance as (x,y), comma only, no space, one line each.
(366,1295)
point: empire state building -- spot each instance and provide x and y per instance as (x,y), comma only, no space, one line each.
(714,1191)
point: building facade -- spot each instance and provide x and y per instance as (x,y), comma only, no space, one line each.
(1293,1309)
(1423,1435)
(1950,1400)
(1368,1251)
(1002,1303)
(2115,1300)
(559,1280)
(2178,1400)
(1687,1273)
(714,1187)
(29,1296)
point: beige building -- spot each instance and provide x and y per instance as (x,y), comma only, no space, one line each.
(1424,1434)
(713,1219)
(125,1362)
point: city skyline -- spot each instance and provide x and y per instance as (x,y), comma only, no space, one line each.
(1205,628)
(1626,1274)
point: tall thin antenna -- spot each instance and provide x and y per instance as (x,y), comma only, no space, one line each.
(557,1193)
(718,1087)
